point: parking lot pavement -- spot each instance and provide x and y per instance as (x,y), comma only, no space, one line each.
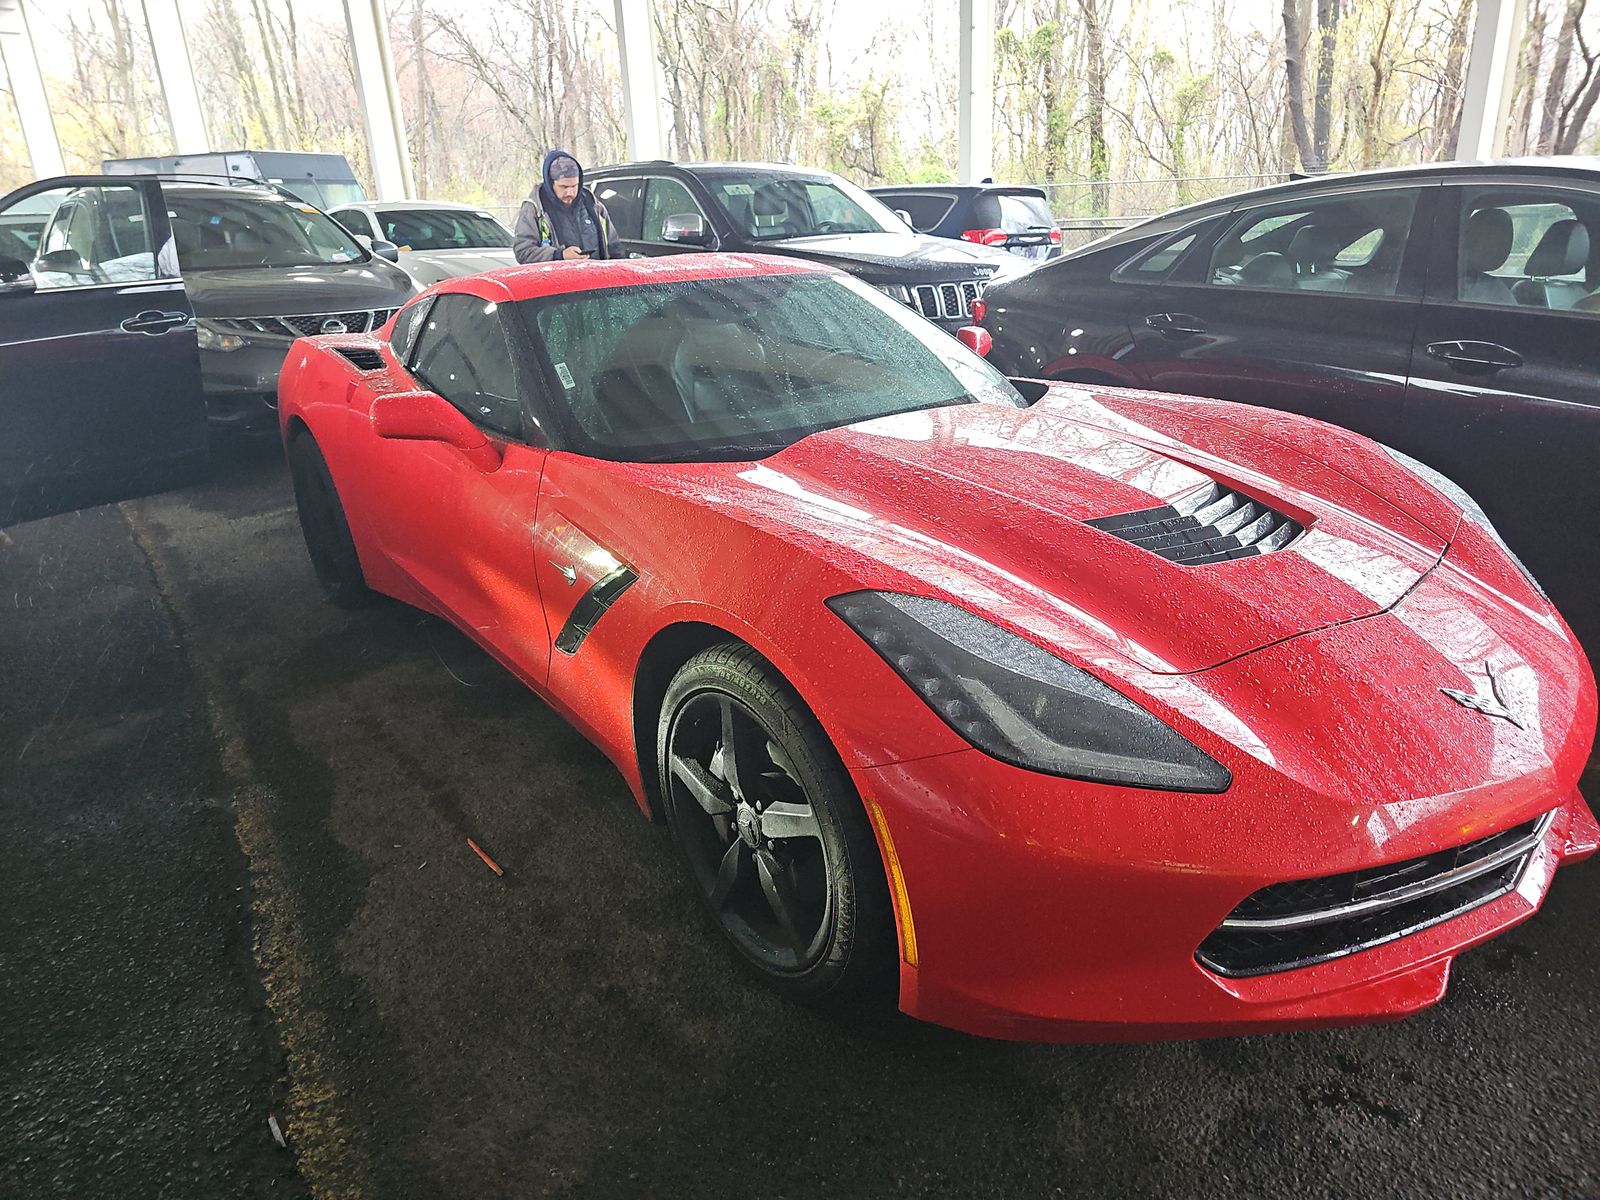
(573,1029)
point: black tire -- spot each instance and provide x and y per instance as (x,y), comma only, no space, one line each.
(832,940)
(323,524)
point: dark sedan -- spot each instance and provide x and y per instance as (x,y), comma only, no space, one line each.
(669,208)
(1450,311)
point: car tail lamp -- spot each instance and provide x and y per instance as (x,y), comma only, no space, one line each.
(980,310)
(986,237)
(1019,703)
(1055,237)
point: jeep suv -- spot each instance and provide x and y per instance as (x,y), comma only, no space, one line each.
(759,208)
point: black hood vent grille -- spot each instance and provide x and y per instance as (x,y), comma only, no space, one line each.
(363,358)
(1209,525)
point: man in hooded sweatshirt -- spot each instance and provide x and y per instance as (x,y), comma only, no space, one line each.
(562,219)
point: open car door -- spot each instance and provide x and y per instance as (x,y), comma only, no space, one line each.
(100,394)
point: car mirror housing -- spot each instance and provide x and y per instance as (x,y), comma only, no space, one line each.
(975,338)
(15,278)
(387,251)
(429,417)
(686,228)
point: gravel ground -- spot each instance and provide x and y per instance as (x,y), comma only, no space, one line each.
(227,794)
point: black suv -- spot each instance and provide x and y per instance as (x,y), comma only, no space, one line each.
(1451,311)
(1011,218)
(668,208)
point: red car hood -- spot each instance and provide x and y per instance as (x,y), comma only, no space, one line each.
(987,505)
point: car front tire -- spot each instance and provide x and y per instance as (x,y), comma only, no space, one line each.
(323,524)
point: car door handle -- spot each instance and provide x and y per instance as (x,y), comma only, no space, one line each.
(1175,325)
(1476,356)
(152,322)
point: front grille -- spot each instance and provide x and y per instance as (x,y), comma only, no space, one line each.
(1211,524)
(306,324)
(1305,921)
(938,301)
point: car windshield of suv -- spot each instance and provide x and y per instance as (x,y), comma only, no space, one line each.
(735,369)
(223,230)
(442,229)
(764,206)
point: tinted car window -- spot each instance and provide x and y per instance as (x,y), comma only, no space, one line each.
(1529,247)
(1340,244)
(664,198)
(926,209)
(95,235)
(624,200)
(765,205)
(406,325)
(223,229)
(736,368)
(1014,214)
(461,353)
(442,229)
(355,220)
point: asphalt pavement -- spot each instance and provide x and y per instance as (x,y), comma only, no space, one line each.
(235,884)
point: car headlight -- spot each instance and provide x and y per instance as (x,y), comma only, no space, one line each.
(216,339)
(1021,704)
(1457,495)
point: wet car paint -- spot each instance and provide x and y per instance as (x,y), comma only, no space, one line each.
(1313,673)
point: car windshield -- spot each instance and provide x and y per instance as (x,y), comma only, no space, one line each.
(225,230)
(442,229)
(765,206)
(736,369)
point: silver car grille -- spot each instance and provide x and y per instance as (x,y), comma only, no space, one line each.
(306,324)
(938,301)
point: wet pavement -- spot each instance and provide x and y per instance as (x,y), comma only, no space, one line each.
(234,883)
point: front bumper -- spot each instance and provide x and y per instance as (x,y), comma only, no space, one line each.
(1033,924)
(241,386)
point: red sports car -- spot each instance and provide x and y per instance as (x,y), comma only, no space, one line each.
(1074,713)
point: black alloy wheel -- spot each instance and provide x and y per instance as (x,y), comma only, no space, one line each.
(323,524)
(776,842)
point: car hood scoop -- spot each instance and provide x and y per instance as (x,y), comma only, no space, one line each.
(1211,524)
(1083,527)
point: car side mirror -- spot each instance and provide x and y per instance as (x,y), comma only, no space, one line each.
(688,229)
(429,417)
(976,338)
(60,262)
(387,251)
(15,278)
(904,216)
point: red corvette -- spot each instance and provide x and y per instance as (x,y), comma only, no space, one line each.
(1077,714)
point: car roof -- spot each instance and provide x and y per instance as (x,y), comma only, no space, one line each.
(715,167)
(557,278)
(961,189)
(411,205)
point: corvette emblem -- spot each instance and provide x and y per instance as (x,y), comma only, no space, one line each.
(1492,705)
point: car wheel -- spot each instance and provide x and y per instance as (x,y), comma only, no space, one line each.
(775,838)
(322,522)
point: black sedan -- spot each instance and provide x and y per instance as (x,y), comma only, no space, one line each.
(1452,312)
(759,208)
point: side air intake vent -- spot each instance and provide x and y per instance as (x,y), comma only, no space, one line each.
(364,359)
(1211,524)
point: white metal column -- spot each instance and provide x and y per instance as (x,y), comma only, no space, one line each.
(379,95)
(641,90)
(27,89)
(975,101)
(177,77)
(1491,78)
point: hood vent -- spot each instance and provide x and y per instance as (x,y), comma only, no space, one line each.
(1209,525)
(363,358)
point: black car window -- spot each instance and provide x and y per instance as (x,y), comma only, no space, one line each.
(354,220)
(1153,264)
(461,353)
(442,229)
(225,229)
(1350,244)
(92,236)
(765,205)
(664,198)
(1532,247)
(926,209)
(624,201)
(739,368)
(1013,213)
(403,336)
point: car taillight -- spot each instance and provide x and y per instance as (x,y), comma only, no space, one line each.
(979,311)
(985,237)
(1055,237)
